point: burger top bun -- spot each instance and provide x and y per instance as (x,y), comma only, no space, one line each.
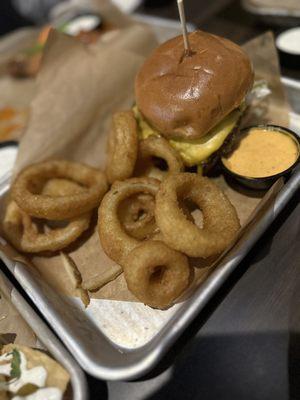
(185,96)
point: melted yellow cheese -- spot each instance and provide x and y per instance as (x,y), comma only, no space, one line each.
(193,152)
(145,130)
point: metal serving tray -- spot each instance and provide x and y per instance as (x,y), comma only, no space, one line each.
(94,351)
(96,343)
(49,341)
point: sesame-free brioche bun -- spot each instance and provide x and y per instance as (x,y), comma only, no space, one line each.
(185,96)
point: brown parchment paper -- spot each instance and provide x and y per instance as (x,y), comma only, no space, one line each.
(118,30)
(13,328)
(17,41)
(78,90)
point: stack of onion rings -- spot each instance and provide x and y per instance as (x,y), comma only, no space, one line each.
(27,187)
(52,191)
(23,233)
(156,274)
(145,225)
(122,147)
(116,242)
(220,220)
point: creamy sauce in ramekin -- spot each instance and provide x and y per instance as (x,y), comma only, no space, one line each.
(263,152)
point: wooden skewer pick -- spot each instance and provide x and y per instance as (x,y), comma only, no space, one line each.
(187,47)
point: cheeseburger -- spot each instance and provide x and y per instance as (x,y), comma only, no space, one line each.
(195,101)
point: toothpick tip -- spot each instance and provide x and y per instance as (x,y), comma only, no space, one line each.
(183,26)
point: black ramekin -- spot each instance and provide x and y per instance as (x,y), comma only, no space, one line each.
(264,183)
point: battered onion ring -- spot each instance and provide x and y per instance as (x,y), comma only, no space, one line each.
(27,187)
(160,148)
(122,147)
(220,220)
(136,214)
(156,274)
(23,233)
(116,242)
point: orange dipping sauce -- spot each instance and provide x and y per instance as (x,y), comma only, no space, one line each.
(263,152)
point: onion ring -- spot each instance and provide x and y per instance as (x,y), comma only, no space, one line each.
(220,220)
(116,242)
(156,274)
(160,148)
(27,186)
(136,214)
(23,233)
(122,147)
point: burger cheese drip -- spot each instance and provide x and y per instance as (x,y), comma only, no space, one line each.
(195,151)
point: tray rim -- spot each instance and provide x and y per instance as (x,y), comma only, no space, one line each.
(49,340)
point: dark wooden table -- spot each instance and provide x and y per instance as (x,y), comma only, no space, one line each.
(246,343)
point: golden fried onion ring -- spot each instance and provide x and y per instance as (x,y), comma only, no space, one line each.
(28,185)
(136,214)
(116,242)
(220,220)
(122,147)
(23,233)
(156,274)
(157,147)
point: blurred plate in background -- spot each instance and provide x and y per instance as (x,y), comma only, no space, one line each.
(278,12)
(127,6)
